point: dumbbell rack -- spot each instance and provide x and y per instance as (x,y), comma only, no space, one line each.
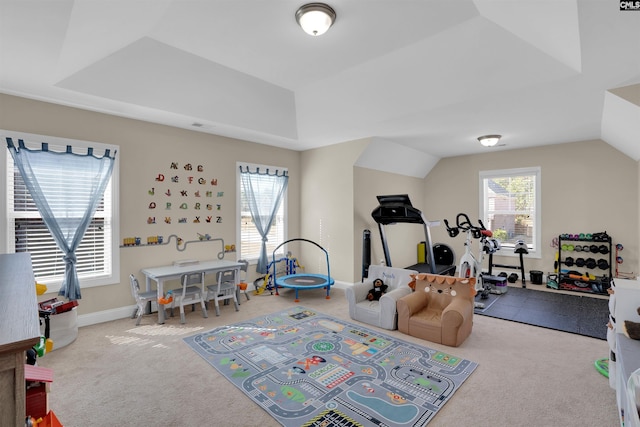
(585,262)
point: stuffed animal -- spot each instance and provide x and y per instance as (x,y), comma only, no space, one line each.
(379,288)
(632,329)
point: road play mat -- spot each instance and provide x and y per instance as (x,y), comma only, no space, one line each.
(308,369)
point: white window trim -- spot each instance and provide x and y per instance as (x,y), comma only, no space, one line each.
(53,286)
(254,166)
(535,170)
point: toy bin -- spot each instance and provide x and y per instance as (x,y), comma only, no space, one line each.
(63,328)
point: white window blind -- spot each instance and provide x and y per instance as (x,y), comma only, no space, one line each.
(510,206)
(250,239)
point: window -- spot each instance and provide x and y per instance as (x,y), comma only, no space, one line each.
(510,206)
(250,240)
(98,253)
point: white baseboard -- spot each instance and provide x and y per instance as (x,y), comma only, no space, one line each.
(105,316)
(342,285)
(124,312)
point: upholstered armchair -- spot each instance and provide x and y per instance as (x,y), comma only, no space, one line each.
(380,313)
(440,309)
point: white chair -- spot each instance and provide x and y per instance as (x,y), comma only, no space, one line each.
(191,292)
(224,289)
(243,277)
(383,313)
(142,298)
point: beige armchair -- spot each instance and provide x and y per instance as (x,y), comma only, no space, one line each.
(440,309)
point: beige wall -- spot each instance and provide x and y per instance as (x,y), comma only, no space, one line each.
(586,187)
(402,239)
(145,150)
(327,204)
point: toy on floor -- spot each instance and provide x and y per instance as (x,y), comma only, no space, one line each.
(602,366)
(379,289)
(45,344)
(285,265)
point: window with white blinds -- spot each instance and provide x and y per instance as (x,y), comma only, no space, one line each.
(510,207)
(27,232)
(250,240)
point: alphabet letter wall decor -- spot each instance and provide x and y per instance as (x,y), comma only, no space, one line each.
(173,192)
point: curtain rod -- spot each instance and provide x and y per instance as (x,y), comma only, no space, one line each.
(257,172)
(69,149)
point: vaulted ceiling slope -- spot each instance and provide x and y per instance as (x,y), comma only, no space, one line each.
(424,77)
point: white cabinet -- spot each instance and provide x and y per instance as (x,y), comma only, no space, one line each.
(624,304)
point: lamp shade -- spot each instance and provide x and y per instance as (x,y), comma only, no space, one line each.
(489,140)
(315,18)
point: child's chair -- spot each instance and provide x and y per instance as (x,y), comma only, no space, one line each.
(380,313)
(440,310)
(142,298)
(243,278)
(224,289)
(191,292)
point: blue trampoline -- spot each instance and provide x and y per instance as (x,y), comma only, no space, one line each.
(302,280)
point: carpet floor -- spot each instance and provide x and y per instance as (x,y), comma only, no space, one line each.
(582,315)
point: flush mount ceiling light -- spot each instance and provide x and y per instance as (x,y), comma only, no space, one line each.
(489,140)
(315,18)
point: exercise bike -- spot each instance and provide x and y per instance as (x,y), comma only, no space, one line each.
(470,265)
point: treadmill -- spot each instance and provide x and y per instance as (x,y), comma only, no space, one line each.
(395,209)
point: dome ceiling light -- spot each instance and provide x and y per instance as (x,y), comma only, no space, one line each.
(315,18)
(489,140)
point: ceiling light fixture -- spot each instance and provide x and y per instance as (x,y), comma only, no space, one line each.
(489,140)
(315,18)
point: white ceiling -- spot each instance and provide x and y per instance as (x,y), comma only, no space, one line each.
(422,77)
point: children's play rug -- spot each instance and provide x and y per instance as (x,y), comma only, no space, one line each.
(308,369)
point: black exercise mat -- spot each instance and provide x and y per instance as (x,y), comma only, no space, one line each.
(577,314)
